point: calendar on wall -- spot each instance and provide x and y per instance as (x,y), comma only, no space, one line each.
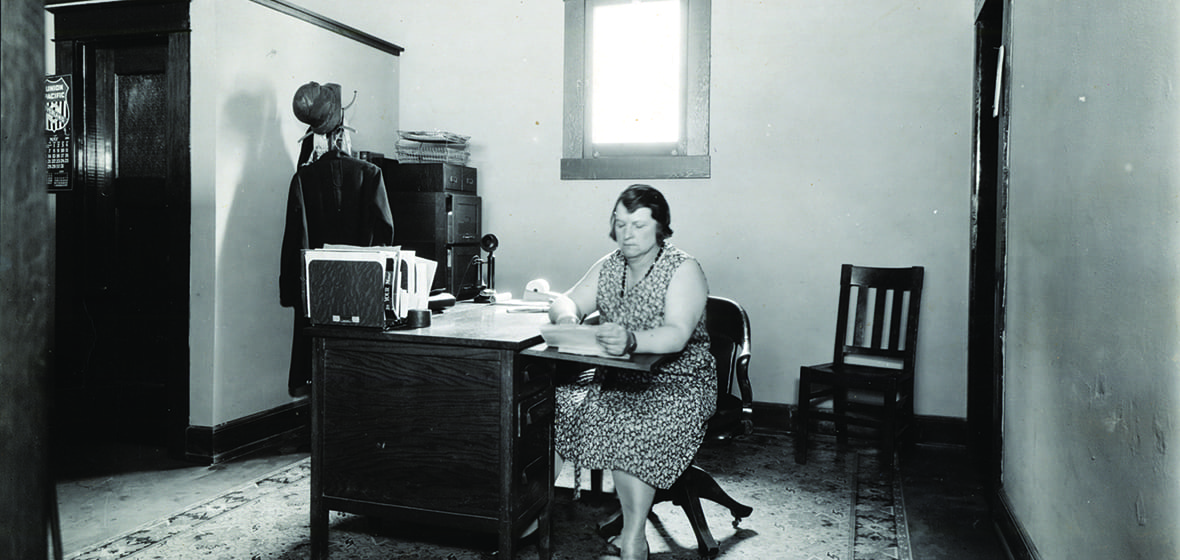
(59,151)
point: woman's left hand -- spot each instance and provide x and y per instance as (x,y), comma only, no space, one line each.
(612,337)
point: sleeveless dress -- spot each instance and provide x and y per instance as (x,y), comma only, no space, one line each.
(647,424)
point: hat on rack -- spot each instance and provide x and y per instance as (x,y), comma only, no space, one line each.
(318,106)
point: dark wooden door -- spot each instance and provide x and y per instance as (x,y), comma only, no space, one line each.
(988,251)
(123,237)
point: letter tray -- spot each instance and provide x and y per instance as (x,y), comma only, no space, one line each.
(342,292)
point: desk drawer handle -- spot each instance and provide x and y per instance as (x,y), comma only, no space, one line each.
(538,463)
(528,375)
(537,412)
(534,371)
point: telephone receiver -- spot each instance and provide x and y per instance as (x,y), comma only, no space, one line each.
(488,243)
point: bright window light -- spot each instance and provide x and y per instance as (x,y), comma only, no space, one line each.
(636,68)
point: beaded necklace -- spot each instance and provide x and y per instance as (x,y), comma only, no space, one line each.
(623,287)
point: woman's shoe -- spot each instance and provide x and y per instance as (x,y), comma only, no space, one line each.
(612,549)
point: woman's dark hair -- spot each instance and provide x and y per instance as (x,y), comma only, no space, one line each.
(645,196)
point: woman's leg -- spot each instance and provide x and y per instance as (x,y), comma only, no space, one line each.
(635,496)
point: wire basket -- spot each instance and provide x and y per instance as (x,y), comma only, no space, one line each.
(422,152)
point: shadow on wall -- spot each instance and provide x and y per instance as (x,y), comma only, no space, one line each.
(254,332)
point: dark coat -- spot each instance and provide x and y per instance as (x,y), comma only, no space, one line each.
(337,199)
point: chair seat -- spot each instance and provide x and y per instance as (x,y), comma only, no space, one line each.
(866,375)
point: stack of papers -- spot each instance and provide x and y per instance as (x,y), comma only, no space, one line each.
(574,339)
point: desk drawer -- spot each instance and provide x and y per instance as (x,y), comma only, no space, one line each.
(533,482)
(534,428)
(429,177)
(534,415)
(403,425)
(439,217)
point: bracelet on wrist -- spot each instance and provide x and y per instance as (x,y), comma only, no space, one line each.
(631,343)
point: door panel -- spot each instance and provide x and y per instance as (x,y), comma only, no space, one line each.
(123,233)
(988,255)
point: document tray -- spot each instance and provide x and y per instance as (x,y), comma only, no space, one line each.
(342,292)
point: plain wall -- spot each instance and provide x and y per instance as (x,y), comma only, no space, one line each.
(840,132)
(1091,385)
(247,63)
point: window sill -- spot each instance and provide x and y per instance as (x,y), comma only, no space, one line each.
(636,167)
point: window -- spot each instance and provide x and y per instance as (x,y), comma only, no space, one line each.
(636,89)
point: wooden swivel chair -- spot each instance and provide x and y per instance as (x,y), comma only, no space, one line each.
(870,379)
(729,334)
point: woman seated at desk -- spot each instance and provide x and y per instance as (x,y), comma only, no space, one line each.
(644,427)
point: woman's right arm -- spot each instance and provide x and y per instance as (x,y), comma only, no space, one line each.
(578,301)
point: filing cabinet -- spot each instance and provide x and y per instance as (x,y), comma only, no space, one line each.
(443,227)
(437,215)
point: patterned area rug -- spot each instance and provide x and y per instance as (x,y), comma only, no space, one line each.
(837,507)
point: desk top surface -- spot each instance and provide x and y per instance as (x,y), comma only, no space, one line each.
(477,325)
(481,325)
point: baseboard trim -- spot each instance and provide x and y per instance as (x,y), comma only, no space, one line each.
(776,417)
(1012,535)
(233,439)
(930,430)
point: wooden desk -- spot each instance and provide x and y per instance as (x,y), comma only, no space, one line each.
(445,425)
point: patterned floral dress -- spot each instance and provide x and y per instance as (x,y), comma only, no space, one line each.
(647,424)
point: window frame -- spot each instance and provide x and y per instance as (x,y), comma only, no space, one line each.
(620,161)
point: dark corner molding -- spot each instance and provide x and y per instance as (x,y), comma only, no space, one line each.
(332,25)
(140,16)
(1014,538)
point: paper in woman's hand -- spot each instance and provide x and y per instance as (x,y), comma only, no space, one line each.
(574,339)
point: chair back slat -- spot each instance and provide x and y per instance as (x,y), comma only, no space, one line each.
(895,318)
(879,298)
(862,318)
(878,314)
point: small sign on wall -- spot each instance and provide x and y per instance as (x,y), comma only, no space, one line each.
(59,146)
